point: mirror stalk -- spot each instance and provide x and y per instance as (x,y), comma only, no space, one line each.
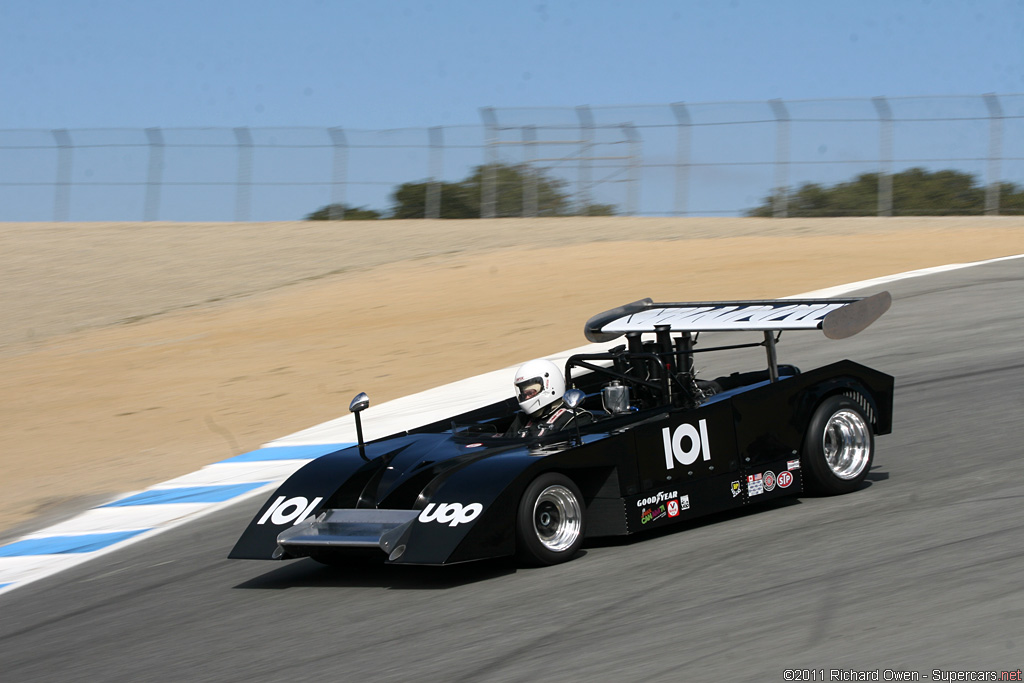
(360,403)
(573,398)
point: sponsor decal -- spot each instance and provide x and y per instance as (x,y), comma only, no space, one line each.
(653,514)
(755,486)
(769,481)
(451,514)
(792,464)
(726,317)
(659,497)
(736,489)
(785,479)
(291,510)
(674,507)
(697,444)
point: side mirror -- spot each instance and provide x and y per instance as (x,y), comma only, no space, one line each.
(360,403)
(573,398)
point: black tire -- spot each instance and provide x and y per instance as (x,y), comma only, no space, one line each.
(839,447)
(551,520)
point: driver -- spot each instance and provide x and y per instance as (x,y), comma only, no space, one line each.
(539,388)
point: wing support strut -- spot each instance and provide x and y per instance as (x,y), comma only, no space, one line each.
(773,360)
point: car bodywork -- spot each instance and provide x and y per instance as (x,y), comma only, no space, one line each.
(682,448)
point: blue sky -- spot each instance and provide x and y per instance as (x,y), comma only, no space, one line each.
(383,63)
(389,64)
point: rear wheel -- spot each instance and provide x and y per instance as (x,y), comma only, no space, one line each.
(839,446)
(550,523)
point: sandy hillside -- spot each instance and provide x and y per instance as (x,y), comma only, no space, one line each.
(133,353)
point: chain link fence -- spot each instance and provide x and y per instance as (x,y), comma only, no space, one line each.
(678,159)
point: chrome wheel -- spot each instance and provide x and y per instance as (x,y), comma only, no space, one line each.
(846,444)
(557,518)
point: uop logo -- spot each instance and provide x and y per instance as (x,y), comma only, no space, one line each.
(291,510)
(698,444)
(451,514)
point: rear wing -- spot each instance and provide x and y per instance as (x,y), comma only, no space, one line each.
(837,318)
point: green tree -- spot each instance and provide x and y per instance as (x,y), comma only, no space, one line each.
(1011,199)
(409,200)
(915,192)
(513,184)
(348,213)
(598,210)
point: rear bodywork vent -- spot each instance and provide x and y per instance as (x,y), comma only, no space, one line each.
(865,403)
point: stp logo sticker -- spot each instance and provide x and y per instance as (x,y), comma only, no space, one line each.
(785,479)
(769,480)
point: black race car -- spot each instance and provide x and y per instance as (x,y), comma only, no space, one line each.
(663,448)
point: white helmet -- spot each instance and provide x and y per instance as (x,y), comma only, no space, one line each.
(539,383)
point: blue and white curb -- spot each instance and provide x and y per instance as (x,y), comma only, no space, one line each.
(139,515)
(142,514)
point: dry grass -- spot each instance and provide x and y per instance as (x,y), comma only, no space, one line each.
(244,333)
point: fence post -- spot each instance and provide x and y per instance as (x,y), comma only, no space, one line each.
(433,208)
(530,201)
(885,141)
(339,169)
(780,208)
(633,186)
(586,118)
(62,186)
(154,175)
(682,156)
(995,153)
(489,179)
(244,186)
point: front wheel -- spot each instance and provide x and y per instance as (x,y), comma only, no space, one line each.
(839,446)
(550,522)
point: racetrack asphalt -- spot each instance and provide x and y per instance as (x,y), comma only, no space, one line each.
(920,570)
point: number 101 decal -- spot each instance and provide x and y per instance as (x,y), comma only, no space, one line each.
(698,444)
(291,510)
